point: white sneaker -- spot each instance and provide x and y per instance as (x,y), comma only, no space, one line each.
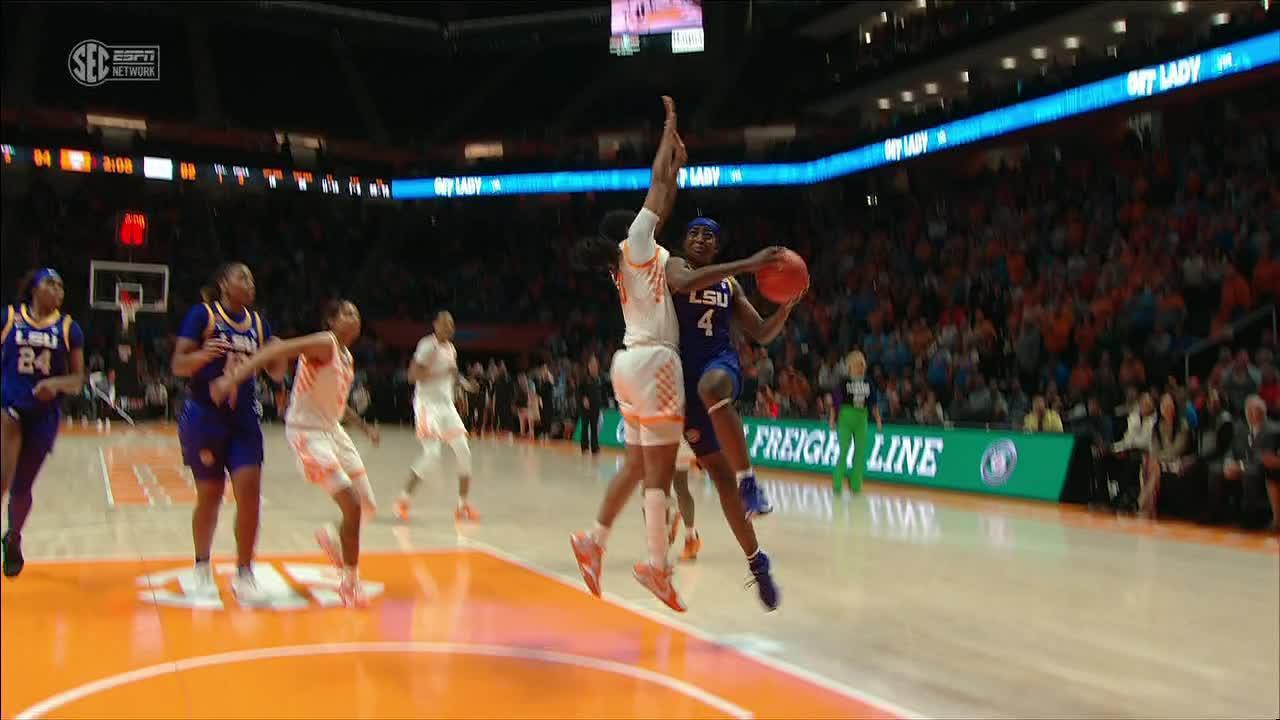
(246,590)
(204,585)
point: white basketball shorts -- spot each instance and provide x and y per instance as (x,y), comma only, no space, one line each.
(329,460)
(649,386)
(438,421)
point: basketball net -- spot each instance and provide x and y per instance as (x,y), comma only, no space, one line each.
(128,310)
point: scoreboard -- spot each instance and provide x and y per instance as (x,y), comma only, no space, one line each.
(164,169)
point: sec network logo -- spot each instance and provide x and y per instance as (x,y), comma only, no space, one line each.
(998,462)
(92,63)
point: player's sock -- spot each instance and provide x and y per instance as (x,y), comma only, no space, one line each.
(600,533)
(655,525)
(462,501)
(19,509)
(350,573)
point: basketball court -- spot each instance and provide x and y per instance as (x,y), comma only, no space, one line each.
(898,603)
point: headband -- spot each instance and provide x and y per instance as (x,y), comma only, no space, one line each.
(44,274)
(707,223)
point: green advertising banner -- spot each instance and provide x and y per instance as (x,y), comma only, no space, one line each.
(1001,462)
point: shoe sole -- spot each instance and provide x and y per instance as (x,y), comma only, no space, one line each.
(674,602)
(584,564)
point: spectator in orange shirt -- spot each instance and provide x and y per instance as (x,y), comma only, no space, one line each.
(1082,376)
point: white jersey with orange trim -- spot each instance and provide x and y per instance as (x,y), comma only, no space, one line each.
(647,309)
(320,391)
(441,361)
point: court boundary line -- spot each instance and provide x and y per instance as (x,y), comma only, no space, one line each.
(769,661)
(106,477)
(176,667)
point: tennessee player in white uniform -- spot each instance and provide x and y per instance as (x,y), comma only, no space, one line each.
(313,426)
(647,379)
(434,370)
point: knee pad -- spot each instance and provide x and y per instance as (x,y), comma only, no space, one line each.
(462,454)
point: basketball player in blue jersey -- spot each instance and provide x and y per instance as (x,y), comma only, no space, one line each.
(215,336)
(713,379)
(42,353)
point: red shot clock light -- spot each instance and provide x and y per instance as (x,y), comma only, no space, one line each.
(132,229)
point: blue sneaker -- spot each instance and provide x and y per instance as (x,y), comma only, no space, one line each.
(763,581)
(753,498)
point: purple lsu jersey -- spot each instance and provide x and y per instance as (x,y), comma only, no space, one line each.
(704,324)
(705,344)
(245,334)
(33,351)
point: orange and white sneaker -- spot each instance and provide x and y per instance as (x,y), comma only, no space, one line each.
(401,509)
(590,558)
(466,513)
(692,545)
(328,542)
(658,582)
(352,593)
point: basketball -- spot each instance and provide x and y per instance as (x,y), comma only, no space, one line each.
(783,282)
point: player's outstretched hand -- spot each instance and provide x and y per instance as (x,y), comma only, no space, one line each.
(670,106)
(766,258)
(221,389)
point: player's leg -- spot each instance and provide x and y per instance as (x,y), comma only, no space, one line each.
(844,435)
(685,505)
(203,440)
(10,445)
(659,467)
(37,432)
(722,477)
(717,388)
(589,546)
(461,447)
(860,448)
(244,464)
(427,459)
(327,460)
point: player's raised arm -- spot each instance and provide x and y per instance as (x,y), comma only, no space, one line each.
(755,327)
(681,278)
(316,346)
(641,235)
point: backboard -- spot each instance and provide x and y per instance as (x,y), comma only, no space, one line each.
(111,282)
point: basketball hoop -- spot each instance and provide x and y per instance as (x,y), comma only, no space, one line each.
(128,309)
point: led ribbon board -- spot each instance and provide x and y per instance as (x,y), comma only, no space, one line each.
(1144,82)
